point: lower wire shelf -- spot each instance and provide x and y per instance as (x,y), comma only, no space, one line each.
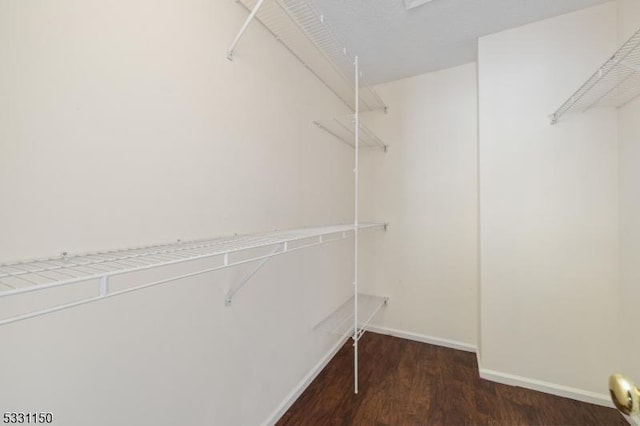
(341,321)
(342,128)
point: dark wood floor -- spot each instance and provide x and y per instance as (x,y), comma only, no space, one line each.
(409,383)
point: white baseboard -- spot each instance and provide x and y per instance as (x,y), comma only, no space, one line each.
(303,384)
(508,379)
(633,421)
(546,387)
(423,339)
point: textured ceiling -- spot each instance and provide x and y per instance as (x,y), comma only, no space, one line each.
(394,43)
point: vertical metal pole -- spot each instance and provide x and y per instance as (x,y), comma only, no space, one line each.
(355,230)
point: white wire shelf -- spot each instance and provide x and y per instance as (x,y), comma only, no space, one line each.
(343,128)
(341,321)
(302,29)
(97,268)
(614,84)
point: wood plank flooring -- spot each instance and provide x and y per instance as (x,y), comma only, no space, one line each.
(409,383)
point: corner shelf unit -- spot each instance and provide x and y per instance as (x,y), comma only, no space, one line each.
(97,268)
(302,29)
(342,128)
(615,83)
(341,321)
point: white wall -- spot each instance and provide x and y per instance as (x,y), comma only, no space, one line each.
(123,124)
(426,188)
(629,20)
(548,207)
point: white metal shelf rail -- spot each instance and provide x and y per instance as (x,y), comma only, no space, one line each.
(41,275)
(303,30)
(342,128)
(615,83)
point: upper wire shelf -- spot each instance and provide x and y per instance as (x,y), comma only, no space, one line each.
(343,128)
(615,83)
(302,29)
(39,275)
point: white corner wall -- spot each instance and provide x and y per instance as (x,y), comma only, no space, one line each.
(548,209)
(425,186)
(123,124)
(629,21)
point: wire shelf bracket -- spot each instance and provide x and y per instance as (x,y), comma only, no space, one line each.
(342,128)
(614,84)
(244,27)
(233,290)
(302,29)
(37,276)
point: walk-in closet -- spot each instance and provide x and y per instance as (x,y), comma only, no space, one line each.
(318,212)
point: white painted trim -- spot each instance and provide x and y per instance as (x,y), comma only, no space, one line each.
(504,378)
(633,421)
(546,387)
(422,338)
(303,384)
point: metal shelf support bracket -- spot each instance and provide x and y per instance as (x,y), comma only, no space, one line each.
(236,40)
(280,248)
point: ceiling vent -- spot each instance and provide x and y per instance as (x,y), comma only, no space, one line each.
(410,4)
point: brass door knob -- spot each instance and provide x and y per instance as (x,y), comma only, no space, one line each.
(624,394)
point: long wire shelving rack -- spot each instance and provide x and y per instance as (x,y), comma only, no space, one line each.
(614,84)
(342,128)
(303,30)
(97,268)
